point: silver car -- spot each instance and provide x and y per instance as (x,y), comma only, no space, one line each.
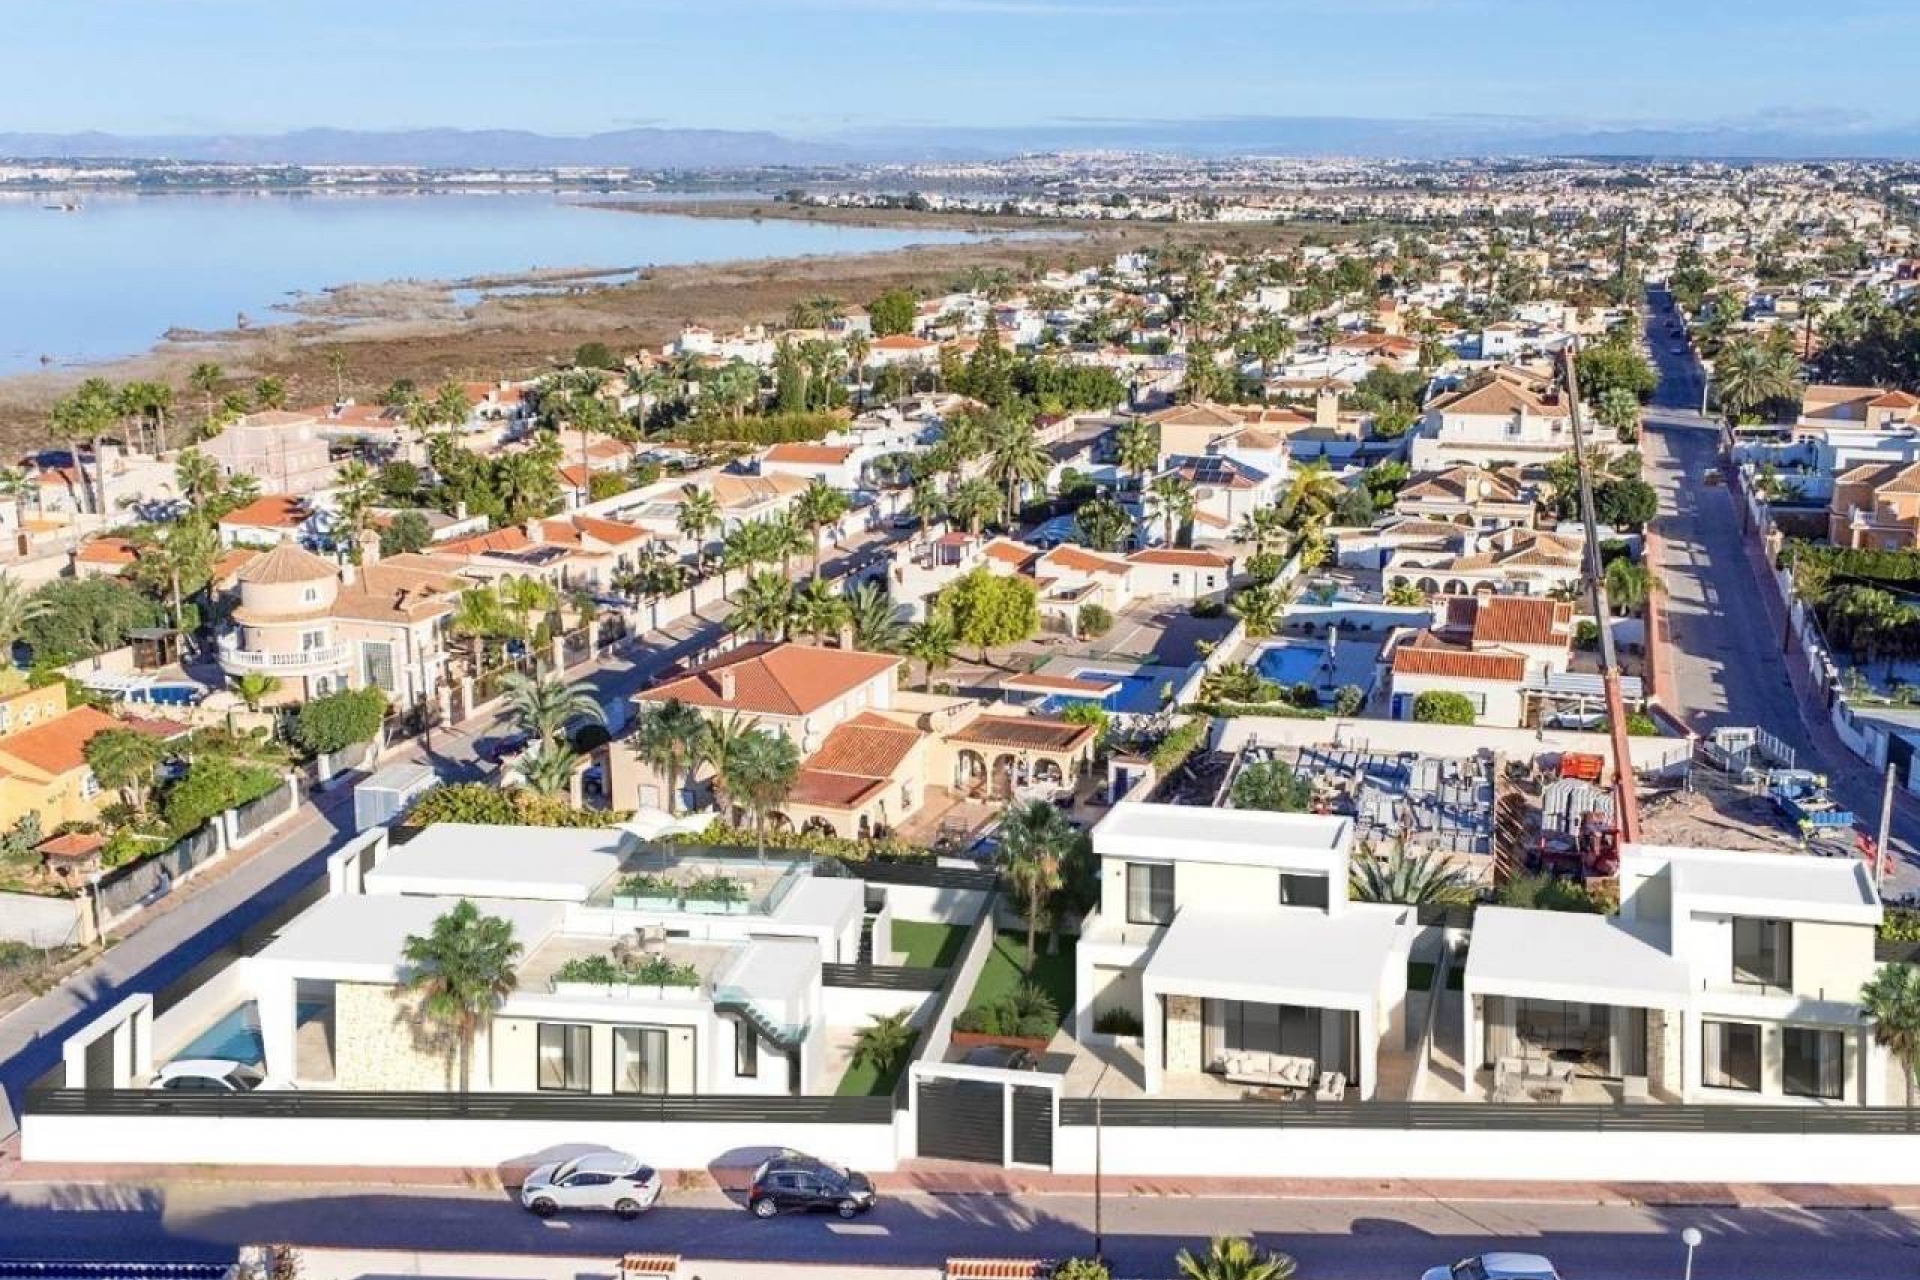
(1496,1266)
(606,1180)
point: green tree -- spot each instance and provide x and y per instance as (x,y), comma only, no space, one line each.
(463,969)
(819,610)
(1615,365)
(18,609)
(270,393)
(340,720)
(881,1046)
(1234,1258)
(759,774)
(1015,458)
(1311,492)
(973,502)
(205,378)
(126,760)
(764,606)
(669,737)
(1172,500)
(196,475)
(875,619)
(85,417)
(256,687)
(1443,706)
(697,518)
(817,508)
(892,313)
(175,560)
(1102,524)
(73,618)
(548,769)
(1259,608)
(1891,1002)
(991,610)
(406,533)
(1619,410)
(1138,448)
(545,708)
(1629,584)
(1751,375)
(1034,836)
(1271,785)
(932,644)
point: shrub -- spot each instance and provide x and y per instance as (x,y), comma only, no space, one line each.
(726,835)
(340,720)
(1209,608)
(1118,1022)
(213,785)
(1273,786)
(716,888)
(1348,700)
(481,802)
(1095,620)
(1443,706)
(1586,634)
(1082,1269)
(1182,741)
(1027,1012)
(647,886)
(1542,892)
(1303,695)
(1900,924)
(1092,713)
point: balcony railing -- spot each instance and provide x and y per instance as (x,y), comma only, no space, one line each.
(326,658)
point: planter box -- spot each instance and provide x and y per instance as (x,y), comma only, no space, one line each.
(629,902)
(622,990)
(715,907)
(974,1039)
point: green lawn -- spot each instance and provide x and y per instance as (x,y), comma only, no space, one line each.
(1420,976)
(865,1082)
(928,946)
(1004,970)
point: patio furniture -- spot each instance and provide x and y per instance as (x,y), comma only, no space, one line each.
(1264,1093)
(653,939)
(1332,1088)
(1277,1070)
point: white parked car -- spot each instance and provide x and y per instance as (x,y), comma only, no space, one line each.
(606,1180)
(208,1075)
(1496,1266)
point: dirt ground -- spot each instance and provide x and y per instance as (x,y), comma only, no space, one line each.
(416,330)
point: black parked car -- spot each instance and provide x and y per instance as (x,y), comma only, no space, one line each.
(793,1183)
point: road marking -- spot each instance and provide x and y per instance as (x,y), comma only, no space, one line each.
(554,1224)
(857,1229)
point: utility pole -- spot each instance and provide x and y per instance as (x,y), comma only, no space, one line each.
(1626,804)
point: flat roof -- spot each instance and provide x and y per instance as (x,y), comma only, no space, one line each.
(1571,955)
(1789,885)
(828,901)
(775,970)
(558,864)
(1246,837)
(1279,955)
(367,932)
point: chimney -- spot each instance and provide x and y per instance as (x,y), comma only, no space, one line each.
(460,510)
(1326,409)
(727,687)
(369,548)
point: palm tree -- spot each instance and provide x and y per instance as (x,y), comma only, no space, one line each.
(819,610)
(84,417)
(1629,583)
(355,502)
(206,378)
(335,358)
(1172,498)
(820,506)
(545,707)
(18,607)
(717,746)
(876,622)
(479,616)
(785,538)
(765,606)
(125,759)
(1409,879)
(1138,446)
(859,347)
(882,1044)
(548,768)
(1234,1258)
(450,405)
(1034,838)
(669,737)
(760,773)
(1751,375)
(973,501)
(1619,411)
(18,484)
(932,644)
(256,687)
(169,554)
(698,517)
(270,393)
(1264,527)
(1259,608)
(525,597)
(196,475)
(1015,458)
(1312,491)
(1891,1001)
(464,968)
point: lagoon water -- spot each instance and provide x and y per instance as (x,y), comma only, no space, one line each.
(111,279)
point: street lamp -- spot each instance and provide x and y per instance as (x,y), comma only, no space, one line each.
(1691,1237)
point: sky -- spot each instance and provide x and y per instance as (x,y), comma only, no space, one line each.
(814,68)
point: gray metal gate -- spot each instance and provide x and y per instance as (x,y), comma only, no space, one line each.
(100,1062)
(1033,1126)
(961,1120)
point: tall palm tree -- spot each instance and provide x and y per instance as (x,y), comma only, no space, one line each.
(545,707)
(18,607)
(1891,1002)
(718,743)
(1312,491)
(819,610)
(256,687)
(173,554)
(1750,375)
(335,358)
(1172,498)
(1264,527)
(1015,458)
(668,738)
(1629,583)
(876,622)
(859,347)
(17,484)
(464,969)
(84,418)
(786,538)
(1234,1258)
(196,475)
(1138,447)
(974,501)
(525,597)
(760,773)
(354,503)
(1259,609)
(548,768)
(270,393)
(765,606)
(1034,838)
(479,616)
(820,506)
(205,378)
(932,644)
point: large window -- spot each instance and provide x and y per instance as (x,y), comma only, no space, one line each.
(1265,1028)
(639,1060)
(1149,893)
(1303,891)
(564,1051)
(1730,1055)
(1763,952)
(377,664)
(1813,1063)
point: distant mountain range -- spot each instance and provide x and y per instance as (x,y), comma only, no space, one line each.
(657,148)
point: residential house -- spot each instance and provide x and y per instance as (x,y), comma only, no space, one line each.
(601,549)
(1508,561)
(1467,495)
(269,520)
(43,761)
(1174,573)
(285,451)
(1507,414)
(1224,492)
(1876,506)
(1495,650)
(836,465)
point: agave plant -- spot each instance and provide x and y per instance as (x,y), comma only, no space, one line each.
(1412,879)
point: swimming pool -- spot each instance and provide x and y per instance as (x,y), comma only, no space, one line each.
(1291,664)
(1137,695)
(236,1036)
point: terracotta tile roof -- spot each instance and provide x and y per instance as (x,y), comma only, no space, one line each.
(230,563)
(1530,620)
(1461,484)
(1503,391)
(1894,400)
(72,847)
(511,539)
(833,790)
(902,342)
(118,552)
(58,746)
(752,491)
(1007,551)
(867,746)
(157,726)
(383,592)
(274,511)
(573,530)
(1452,662)
(1036,732)
(831,455)
(1198,414)
(775,679)
(1067,556)
(1179,556)
(286,563)
(1039,682)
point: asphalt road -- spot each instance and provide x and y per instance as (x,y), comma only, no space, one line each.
(1728,660)
(168,944)
(1332,1239)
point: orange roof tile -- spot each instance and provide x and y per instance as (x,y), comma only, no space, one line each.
(1036,732)
(1454,663)
(1179,556)
(775,679)
(59,745)
(511,539)
(1522,620)
(107,550)
(831,455)
(867,746)
(274,511)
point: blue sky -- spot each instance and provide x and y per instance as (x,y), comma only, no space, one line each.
(813,67)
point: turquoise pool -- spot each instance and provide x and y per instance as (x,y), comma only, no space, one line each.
(1291,664)
(1137,694)
(236,1036)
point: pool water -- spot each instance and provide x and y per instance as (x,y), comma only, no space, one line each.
(1291,664)
(236,1036)
(1137,694)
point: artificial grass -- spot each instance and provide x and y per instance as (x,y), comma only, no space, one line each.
(1005,970)
(862,1081)
(924,945)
